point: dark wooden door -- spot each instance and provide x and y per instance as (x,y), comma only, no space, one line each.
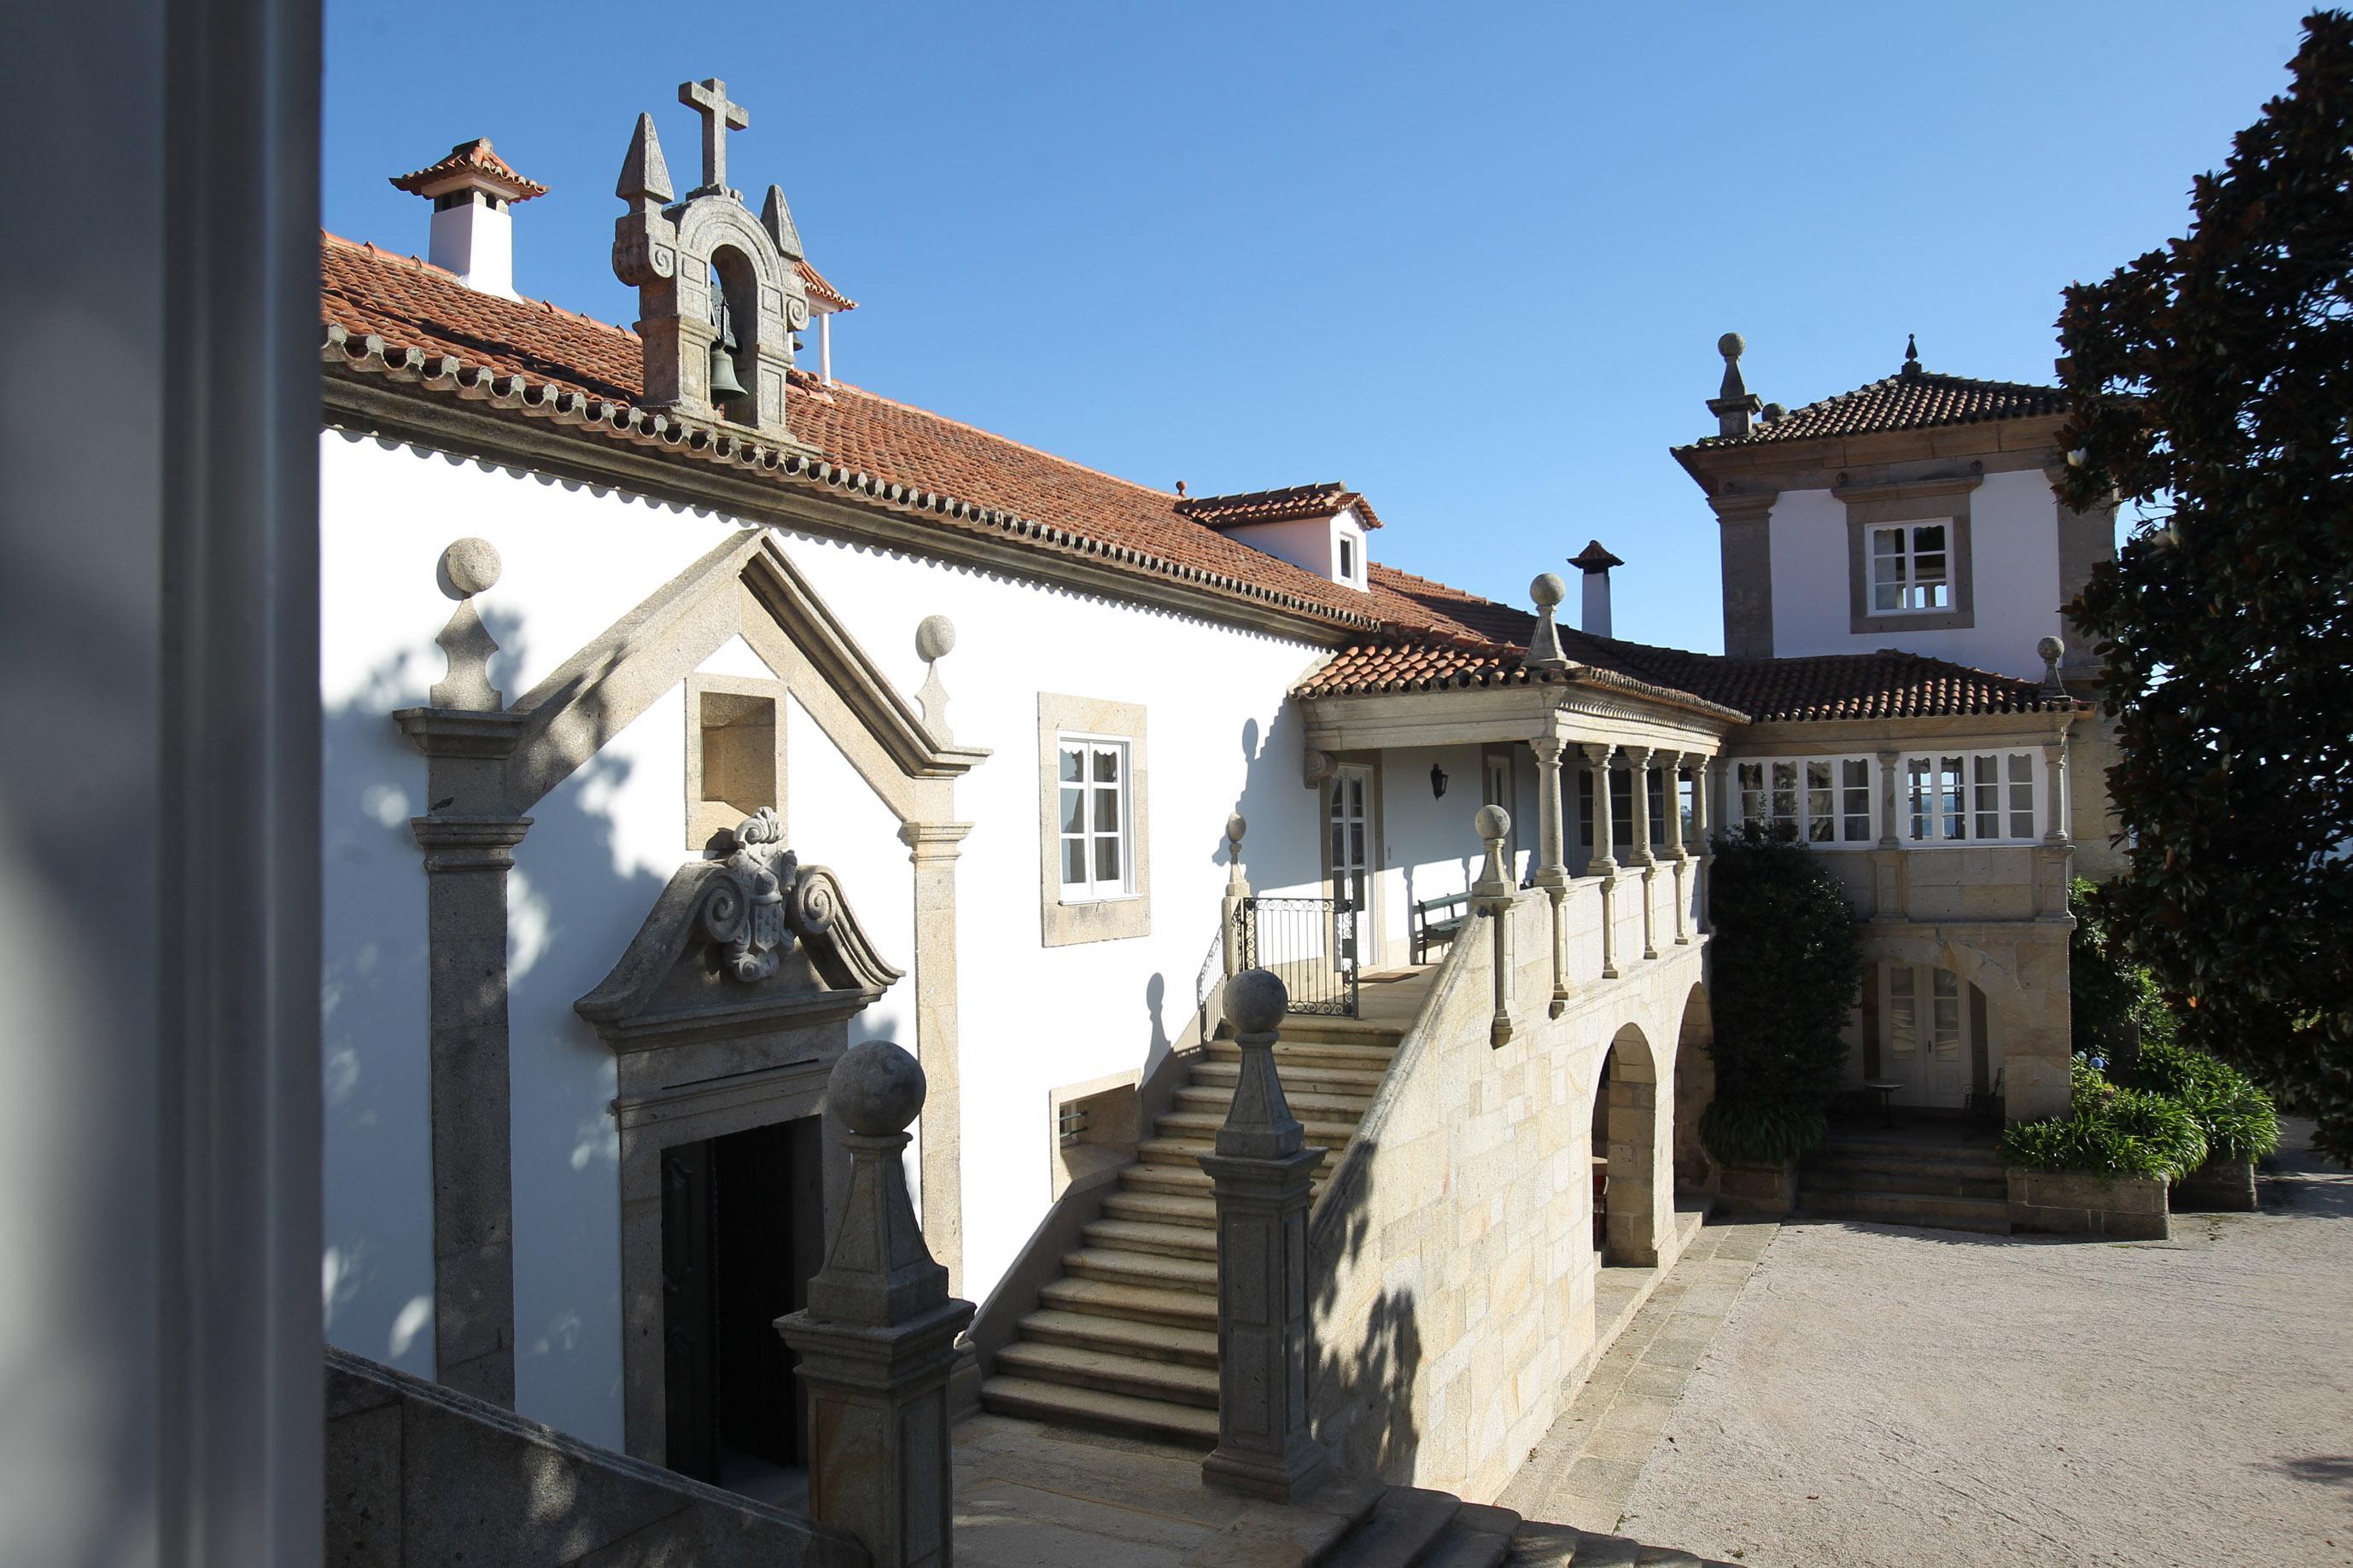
(690,1349)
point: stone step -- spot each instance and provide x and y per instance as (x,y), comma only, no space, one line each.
(1355,1057)
(1159,1207)
(1122,1336)
(1460,1548)
(1305,1104)
(1872,1179)
(1066,1405)
(1818,1200)
(1184,1179)
(1110,1371)
(1404,1525)
(1180,1308)
(1160,1240)
(1120,1268)
(1834,1159)
(1326,1029)
(1159,1157)
(1343,1080)
(1204,1124)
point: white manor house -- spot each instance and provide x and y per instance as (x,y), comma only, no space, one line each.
(693,716)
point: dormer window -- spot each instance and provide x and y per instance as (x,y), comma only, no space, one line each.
(1316,527)
(1347,559)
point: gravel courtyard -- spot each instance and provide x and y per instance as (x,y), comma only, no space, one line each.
(1892,1397)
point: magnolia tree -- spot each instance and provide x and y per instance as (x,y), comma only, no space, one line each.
(2213,385)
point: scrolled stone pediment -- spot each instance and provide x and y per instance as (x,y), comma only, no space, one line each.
(740,945)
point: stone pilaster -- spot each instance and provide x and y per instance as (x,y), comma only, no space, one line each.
(2056,854)
(1703,829)
(1604,863)
(877,1340)
(1552,872)
(1887,896)
(1261,1171)
(1676,852)
(1746,529)
(933,848)
(1637,759)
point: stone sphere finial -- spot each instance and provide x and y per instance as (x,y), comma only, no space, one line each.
(1235,828)
(1548,589)
(1491,823)
(934,638)
(1256,1000)
(877,1088)
(1732,345)
(2051,650)
(470,566)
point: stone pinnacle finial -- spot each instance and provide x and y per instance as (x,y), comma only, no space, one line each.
(1492,824)
(709,99)
(1259,1124)
(2051,651)
(467,567)
(1543,647)
(777,219)
(935,638)
(1735,406)
(877,1271)
(1911,354)
(1235,828)
(645,175)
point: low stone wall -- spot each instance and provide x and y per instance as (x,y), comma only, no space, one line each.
(1451,1261)
(1767,1192)
(420,1473)
(2075,1203)
(2219,1185)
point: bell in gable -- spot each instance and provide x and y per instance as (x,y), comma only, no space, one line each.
(725,387)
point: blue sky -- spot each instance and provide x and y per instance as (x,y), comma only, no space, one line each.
(1473,260)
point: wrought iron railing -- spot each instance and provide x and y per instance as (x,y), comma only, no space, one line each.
(1311,943)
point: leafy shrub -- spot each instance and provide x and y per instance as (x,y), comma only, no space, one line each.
(2110,1132)
(2235,1116)
(1788,970)
(2116,1006)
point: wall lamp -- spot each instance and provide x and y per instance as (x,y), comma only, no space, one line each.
(1437,782)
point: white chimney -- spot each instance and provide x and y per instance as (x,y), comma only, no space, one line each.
(473,191)
(1595,562)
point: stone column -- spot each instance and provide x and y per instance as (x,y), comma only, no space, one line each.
(1887,899)
(2056,854)
(1639,767)
(1265,1350)
(1675,850)
(1703,829)
(878,1337)
(468,839)
(1491,900)
(1604,863)
(1551,873)
(933,848)
(1229,907)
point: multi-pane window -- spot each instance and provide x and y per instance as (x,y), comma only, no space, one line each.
(1976,797)
(1821,800)
(1093,818)
(1904,1032)
(1622,809)
(1911,568)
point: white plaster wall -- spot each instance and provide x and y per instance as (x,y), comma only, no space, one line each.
(1429,845)
(1219,737)
(2014,531)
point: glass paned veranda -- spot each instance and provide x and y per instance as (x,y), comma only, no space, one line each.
(1092,818)
(1979,798)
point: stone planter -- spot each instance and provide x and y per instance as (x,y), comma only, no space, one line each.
(1769,1191)
(2076,1203)
(2228,1184)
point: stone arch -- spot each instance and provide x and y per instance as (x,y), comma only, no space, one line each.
(1638,1198)
(1694,1089)
(2019,970)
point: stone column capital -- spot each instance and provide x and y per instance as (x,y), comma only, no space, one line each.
(469,843)
(490,733)
(1597,753)
(1548,748)
(932,840)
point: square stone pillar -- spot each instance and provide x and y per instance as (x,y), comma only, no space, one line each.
(1887,895)
(877,1340)
(933,846)
(1261,1171)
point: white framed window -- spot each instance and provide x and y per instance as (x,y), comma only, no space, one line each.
(1974,798)
(1347,559)
(1092,816)
(1911,567)
(1819,800)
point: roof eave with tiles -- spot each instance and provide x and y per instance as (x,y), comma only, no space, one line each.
(1923,401)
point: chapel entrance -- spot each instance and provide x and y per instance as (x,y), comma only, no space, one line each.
(742,1229)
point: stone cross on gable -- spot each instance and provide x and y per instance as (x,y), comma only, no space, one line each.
(708,98)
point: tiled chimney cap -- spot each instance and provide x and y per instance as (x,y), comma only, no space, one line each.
(471,165)
(1593,558)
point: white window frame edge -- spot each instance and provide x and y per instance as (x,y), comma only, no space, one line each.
(1735,818)
(2037,784)
(1127,873)
(1911,556)
(1068,923)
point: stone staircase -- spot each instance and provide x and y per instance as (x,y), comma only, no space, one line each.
(1941,1177)
(1126,1339)
(1412,1527)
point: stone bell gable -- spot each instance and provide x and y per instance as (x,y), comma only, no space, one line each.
(714,283)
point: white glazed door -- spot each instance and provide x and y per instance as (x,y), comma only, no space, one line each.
(1926,1048)
(1351,823)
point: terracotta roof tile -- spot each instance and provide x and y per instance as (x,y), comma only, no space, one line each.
(412,304)
(1466,641)
(1277,506)
(471,158)
(1914,399)
(823,291)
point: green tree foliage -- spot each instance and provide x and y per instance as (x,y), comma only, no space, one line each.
(1788,970)
(2116,1003)
(2213,385)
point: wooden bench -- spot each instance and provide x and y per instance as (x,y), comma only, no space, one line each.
(1427,930)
